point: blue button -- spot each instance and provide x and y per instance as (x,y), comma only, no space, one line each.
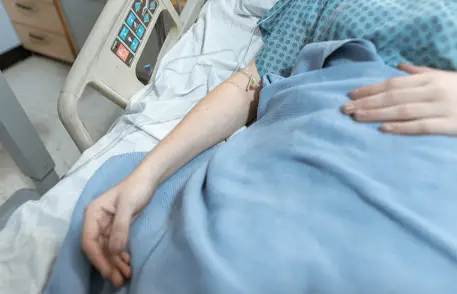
(131,19)
(153,5)
(135,44)
(140,31)
(124,32)
(137,6)
(146,18)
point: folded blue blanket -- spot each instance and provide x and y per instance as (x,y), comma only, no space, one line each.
(304,201)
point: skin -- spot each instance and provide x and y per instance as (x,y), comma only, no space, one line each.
(107,219)
(424,102)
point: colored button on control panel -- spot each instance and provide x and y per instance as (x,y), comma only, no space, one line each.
(144,10)
(140,31)
(131,18)
(122,52)
(134,44)
(124,33)
(135,25)
(129,38)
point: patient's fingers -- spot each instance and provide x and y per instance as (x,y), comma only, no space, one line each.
(121,226)
(125,257)
(413,69)
(399,113)
(108,208)
(405,82)
(392,98)
(117,279)
(422,126)
(91,245)
(105,222)
(107,231)
(122,266)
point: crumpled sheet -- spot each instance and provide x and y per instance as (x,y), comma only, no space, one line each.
(206,55)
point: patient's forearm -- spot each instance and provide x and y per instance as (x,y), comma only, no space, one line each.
(216,117)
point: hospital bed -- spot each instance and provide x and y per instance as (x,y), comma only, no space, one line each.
(207,43)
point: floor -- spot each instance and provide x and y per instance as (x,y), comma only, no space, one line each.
(37,82)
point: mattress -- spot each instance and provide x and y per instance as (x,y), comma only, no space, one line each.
(207,54)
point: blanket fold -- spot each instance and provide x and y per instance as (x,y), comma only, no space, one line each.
(305,200)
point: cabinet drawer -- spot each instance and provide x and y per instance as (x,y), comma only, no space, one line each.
(38,14)
(44,42)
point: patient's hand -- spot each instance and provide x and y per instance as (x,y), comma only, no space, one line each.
(106,228)
(424,102)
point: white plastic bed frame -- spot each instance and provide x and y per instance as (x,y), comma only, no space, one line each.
(97,66)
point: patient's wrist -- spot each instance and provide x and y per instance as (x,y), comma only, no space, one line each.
(144,175)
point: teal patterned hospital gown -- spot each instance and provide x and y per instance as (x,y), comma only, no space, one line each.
(421,32)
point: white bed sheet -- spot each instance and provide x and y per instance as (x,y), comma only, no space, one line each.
(205,56)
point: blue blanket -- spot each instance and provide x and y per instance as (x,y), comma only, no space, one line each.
(304,201)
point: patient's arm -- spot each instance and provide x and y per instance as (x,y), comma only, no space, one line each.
(216,117)
(107,219)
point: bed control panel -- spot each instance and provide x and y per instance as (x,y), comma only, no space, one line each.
(131,34)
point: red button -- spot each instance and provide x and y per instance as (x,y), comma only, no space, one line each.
(122,52)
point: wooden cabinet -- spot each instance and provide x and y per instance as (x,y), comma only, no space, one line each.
(45,42)
(41,27)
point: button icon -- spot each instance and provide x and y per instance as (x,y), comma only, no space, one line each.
(124,32)
(140,32)
(142,11)
(131,19)
(137,6)
(135,44)
(122,52)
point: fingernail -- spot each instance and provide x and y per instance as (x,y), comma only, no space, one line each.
(116,244)
(348,108)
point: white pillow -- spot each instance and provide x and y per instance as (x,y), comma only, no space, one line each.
(253,7)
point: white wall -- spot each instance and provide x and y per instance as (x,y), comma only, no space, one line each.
(8,37)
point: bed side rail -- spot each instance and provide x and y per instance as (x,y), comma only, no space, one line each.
(109,57)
